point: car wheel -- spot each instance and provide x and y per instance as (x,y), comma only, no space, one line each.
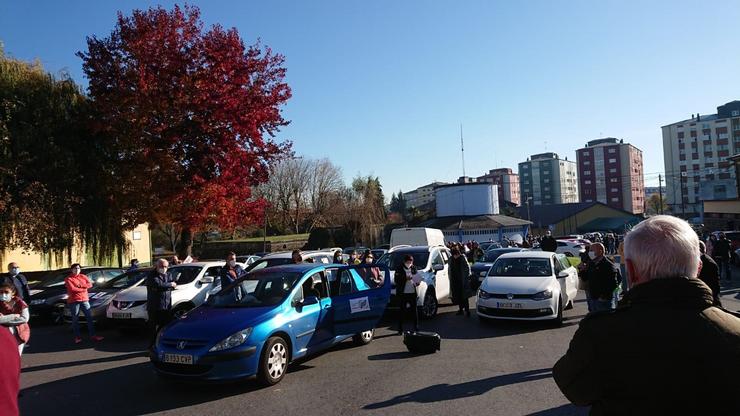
(274,361)
(364,338)
(181,310)
(430,306)
(558,321)
(57,314)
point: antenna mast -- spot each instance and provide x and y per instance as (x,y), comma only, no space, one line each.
(462,149)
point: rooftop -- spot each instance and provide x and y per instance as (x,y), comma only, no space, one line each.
(476,222)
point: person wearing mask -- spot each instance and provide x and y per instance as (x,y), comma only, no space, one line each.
(159,287)
(14,315)
(296,257)
(77,299)
(549,243)
(371,275)
(353,258)
(709,273)
(134,265)
(722,253)
(460,282)
(406,279)
(15,278)
(338,259)
(603,278)
(231,271)
(10,374)
(668,326)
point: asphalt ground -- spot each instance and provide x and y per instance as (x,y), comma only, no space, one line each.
(501,368)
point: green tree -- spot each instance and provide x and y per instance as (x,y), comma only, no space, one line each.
(653,205)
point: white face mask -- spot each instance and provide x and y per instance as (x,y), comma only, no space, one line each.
(408,265)
(161,270)
(15,271)
(5,297)
(232,263)
(368,260)
(592,255)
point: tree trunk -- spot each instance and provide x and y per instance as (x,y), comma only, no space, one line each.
(185,248)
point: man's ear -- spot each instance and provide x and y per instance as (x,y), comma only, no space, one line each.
(698,272)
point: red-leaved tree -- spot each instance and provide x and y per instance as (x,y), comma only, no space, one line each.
(194,114)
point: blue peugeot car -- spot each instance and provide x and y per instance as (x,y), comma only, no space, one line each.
(271,317)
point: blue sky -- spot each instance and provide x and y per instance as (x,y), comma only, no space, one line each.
(381,87)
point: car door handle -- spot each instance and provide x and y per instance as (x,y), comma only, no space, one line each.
(327,306)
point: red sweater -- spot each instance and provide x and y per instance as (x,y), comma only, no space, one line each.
(77,288)
(10,372)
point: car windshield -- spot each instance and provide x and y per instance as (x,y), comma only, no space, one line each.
(392,260)
(255,290)
(521,266)
(265,263)
(58,279)
(125,280)
(493,255)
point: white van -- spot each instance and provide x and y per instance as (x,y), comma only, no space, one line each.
(417,236)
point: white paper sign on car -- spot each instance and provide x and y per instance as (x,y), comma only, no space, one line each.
(359,305)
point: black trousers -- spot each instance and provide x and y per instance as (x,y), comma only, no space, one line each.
(464,303)
(408,299)
(157,320)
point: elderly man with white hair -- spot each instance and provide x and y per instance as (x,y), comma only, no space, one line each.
(666,349)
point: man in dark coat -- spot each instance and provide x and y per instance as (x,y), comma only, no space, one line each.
(159,287)
(549,243)
(709,273)
(602,277)
(722,253)
(231,271)
(459,272)
(659,351)
(15,278)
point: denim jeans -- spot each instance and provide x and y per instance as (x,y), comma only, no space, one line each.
(74,309)
(602,305)
(724,268)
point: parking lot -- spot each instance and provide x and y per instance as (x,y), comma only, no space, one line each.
(498,368)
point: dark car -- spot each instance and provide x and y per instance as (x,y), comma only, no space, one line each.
(49,298)
(102,295)
(481,269)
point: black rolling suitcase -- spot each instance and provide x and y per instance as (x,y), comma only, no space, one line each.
(421,342)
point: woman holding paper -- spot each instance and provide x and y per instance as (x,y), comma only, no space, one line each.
(407,277)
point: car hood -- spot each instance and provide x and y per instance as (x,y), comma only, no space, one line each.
(132,294)
(215,324)
(48,292)
(517,285)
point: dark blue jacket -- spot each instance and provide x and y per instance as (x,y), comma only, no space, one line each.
(158,291)
(226,278)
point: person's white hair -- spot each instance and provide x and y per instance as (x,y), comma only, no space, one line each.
(662,247)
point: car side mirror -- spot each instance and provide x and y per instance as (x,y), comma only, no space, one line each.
(310,300)
(562,275)
(438,267)
(207,279)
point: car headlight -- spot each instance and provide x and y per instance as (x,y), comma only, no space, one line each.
(545,294)
(38,302)
(482,294)
(233,341)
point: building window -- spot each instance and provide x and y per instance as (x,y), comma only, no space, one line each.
(735,113)
(586,162)
(613,170)
(614,180)
(615,199)
(587,172)
(585,154)
(615,189)
(587,182)
(612,150)
(612,160)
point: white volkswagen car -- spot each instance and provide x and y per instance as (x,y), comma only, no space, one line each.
(194,280)
(529,285)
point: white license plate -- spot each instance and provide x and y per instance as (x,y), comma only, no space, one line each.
(118,315)
(508,305)
(178,359)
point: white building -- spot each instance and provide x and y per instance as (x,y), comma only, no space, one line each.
(422,195)
(548,180)
(696,154)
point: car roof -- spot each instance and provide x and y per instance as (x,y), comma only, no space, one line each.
(298,268)
(416,249)
(528,254)
(200,264)
(289,254)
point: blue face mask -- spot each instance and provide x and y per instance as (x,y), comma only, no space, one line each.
(5,297)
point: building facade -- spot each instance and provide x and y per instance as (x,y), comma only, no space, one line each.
(547,180)
(422,196)
(696,154)
(611,172)
(508,184)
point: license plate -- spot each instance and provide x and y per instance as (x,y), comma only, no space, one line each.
(118,315)
(178,359)
(508,305)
